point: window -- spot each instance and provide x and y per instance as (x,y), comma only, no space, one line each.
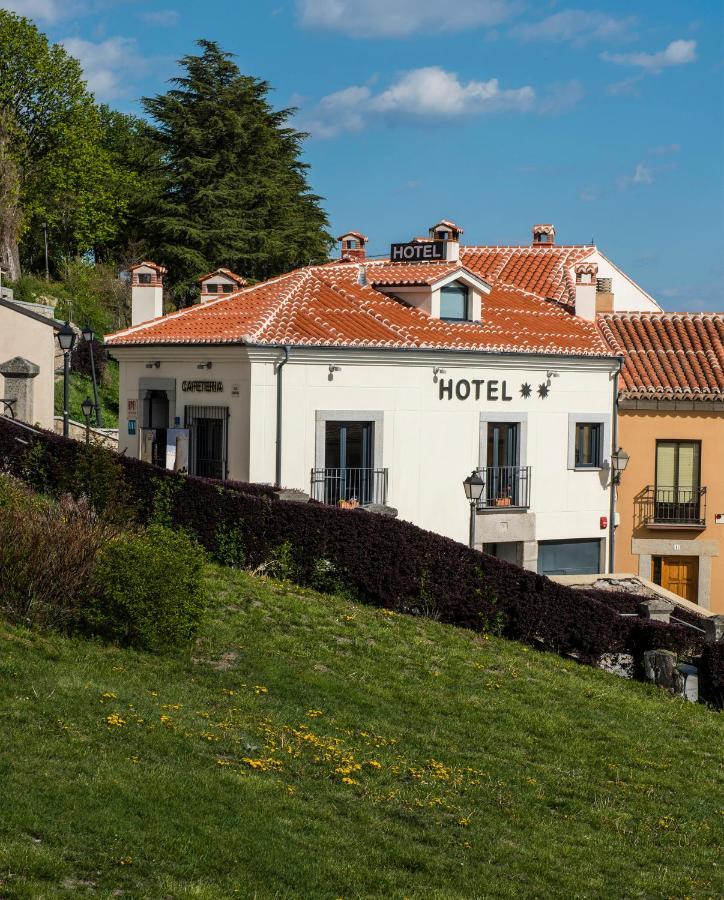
(226,288)
(678,480)
(212,288)
(454,303)
(589,444)
(144,278)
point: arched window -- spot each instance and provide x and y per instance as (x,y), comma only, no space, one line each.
(454,302)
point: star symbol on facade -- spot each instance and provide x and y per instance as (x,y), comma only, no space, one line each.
(543,391)
(525,390)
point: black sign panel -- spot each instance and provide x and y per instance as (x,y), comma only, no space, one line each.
(417,252)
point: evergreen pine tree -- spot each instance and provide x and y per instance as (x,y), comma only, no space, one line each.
(234,190)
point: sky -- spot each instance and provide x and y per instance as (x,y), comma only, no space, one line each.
(605,118)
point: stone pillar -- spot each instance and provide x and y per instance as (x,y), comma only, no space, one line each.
(18,374)
(656,608)
(714,627)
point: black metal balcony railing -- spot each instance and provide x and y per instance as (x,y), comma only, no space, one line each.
(671,507)
(506,487)
(349,485)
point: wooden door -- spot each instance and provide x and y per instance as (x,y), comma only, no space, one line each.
(680,575)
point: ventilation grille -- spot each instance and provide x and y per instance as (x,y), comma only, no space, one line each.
(603,286)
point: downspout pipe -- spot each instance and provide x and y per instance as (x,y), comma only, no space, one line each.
(614,448)
(280,408)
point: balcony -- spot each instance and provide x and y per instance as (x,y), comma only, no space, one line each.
(353,487)
(507,488)
(667,507)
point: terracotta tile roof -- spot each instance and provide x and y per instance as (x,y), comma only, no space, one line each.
(150,265)
(401,273)
(668,356)
(542,270)
(326,306)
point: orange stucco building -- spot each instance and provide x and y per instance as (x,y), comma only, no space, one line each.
(671,423)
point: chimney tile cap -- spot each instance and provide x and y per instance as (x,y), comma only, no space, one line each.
(240,280)
(544,229)
(162,270)
(448,224)
(354,234)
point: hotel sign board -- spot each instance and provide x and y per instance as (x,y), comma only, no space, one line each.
(417,251)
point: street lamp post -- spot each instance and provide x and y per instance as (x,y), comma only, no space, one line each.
(473,486)
(88,337)
(66,340)
(87,407)
(45,237)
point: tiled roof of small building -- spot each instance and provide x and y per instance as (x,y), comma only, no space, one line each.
(327,306)
(668,356)
(239,279)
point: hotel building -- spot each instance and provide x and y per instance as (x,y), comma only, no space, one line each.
(386,381)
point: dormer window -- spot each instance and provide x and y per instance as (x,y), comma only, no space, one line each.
(145,278)
(454,303)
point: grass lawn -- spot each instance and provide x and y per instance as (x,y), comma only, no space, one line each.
(311,747)
(81,386)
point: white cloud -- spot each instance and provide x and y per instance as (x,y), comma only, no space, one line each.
(42,10)
(576,26)
(107,65)
(642,175)
(399,18)
(163,18)
(678,53)
(429,94)
(588,195)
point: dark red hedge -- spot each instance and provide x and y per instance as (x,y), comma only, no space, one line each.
(384,561)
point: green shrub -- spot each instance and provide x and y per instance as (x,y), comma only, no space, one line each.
(281,563)
(149,590)
(48,550)
(229,549)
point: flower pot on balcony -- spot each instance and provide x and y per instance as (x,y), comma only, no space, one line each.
(503,501)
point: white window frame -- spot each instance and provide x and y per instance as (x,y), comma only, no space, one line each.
(589,419)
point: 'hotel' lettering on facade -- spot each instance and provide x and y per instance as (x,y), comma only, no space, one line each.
(416,251)
(464,389)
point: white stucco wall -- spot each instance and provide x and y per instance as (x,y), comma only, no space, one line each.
(21,335)
(627,295)
(429,444)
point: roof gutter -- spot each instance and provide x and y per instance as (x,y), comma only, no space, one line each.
(614,448)
(280,397)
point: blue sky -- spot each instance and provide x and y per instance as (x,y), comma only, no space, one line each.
(603,118)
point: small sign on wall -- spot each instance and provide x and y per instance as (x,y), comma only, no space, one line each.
(719,518)
(131,426)
(132,408)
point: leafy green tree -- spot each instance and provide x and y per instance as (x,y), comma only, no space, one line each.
(235,191)
(54,167)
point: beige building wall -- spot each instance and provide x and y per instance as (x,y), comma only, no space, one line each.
(23,335)
(639,429)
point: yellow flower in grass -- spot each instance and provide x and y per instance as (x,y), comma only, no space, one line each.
(374,763)
(348,780)
(260,689)
(125,861)
(108,695)
(115,721)
(465,821)
(165,719)
(314,713)
(223,762)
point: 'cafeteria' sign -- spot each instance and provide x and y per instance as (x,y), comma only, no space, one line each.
(417,251)
(214,387)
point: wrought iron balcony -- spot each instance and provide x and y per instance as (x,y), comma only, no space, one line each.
(506,488)
(349,486)
(668,507)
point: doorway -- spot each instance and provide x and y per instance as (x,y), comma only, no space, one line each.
(348,462)
(678,574)
(208,440)
(156,418)
(502,461)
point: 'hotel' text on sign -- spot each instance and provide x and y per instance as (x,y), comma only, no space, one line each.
(476,388)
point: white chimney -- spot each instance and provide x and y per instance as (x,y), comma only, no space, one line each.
(449,233)
(586,289)
(146,292)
